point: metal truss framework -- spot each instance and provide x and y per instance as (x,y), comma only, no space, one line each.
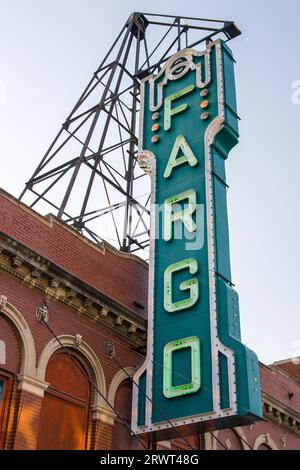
(89,176)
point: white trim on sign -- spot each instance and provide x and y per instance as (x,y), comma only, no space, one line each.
(146,156)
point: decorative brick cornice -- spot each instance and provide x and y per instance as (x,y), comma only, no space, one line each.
(60,286)
(32,385)
(50,219)
(275,411)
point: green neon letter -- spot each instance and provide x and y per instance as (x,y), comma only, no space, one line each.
(188,156)
(190,284)
(171,391)
(169,112)
(185,215)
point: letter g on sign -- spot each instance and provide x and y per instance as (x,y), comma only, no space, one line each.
(190,284)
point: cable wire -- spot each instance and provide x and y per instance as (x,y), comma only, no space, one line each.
(179,375)
(218,440)
(208,390)
(160,365)
(176,373)
(114,410)
(95,386)
(159,410)
(152,402)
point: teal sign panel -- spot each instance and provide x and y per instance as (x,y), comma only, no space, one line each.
(197,374)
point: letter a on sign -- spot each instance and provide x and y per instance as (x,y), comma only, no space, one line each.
(188,156)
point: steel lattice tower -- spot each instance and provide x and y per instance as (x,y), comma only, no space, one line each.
(89,176)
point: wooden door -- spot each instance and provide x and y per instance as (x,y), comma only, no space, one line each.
(65,408)
(6,383)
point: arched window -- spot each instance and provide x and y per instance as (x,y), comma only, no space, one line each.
(265,442)
(64,422)
(264,447)
(122,439)
(10,365)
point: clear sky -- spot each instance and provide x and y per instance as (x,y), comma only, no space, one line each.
(48,52)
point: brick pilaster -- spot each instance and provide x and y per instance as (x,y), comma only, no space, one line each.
(26,435)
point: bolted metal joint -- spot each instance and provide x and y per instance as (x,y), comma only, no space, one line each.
(110,349)
(42,314)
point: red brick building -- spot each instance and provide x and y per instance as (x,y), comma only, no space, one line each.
(94,295)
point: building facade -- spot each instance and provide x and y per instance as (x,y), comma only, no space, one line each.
(59,389)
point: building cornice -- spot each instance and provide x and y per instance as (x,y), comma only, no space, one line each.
(60,286)
(273,410)
(49,219)
(274,369)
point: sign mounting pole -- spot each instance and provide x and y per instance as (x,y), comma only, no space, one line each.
(89,176)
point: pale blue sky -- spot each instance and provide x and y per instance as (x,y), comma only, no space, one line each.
(48,51)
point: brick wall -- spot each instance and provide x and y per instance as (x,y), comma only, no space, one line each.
(121,277)
(103,436)
(65,321)
(279,385)
(291,367)
(27,426)
(12,345)
(24,429)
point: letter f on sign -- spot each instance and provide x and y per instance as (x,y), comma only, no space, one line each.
(169,111)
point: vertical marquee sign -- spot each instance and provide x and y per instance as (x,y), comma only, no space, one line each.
(197,374)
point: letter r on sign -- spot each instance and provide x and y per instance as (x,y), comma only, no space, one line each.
(183,214)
